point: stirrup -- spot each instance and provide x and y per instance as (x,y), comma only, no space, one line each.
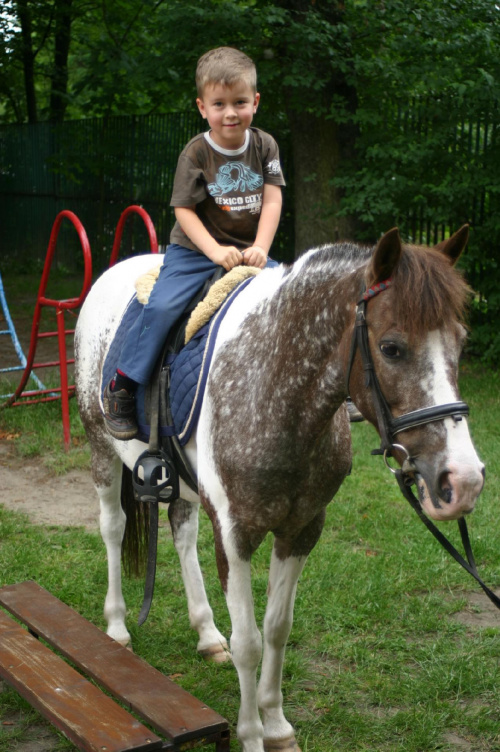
(155,478)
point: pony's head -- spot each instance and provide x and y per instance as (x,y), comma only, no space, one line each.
(416,332)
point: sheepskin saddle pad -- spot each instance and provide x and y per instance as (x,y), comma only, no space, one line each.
(188,368)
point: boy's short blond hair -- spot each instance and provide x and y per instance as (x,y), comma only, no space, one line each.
(226,66)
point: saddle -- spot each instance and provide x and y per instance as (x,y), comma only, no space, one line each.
(172,401)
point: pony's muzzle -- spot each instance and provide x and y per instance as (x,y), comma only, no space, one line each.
(454,493)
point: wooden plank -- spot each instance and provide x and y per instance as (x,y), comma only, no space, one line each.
(89,718)
(171,710)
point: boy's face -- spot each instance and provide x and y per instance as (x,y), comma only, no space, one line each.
(229,111)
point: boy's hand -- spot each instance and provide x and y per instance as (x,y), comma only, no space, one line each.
(227,256)
(255,256)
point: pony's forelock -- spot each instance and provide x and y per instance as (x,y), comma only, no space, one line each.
(428,292)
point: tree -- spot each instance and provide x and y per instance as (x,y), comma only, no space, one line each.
(375,103)
(36,35)
(28,58)
(60,74)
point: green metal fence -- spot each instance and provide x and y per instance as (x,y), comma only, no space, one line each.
(98,167)
(94,167)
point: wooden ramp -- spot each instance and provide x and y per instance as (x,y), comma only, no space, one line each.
(92,720)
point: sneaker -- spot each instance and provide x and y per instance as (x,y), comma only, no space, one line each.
(354,414)
(119,414)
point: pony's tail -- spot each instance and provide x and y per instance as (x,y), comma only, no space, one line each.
(135,540)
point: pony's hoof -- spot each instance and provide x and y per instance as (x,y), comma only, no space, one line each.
(126,644)
(281,745)
(122,638)
(216,654)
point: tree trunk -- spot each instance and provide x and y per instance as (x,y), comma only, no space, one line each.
(322,141)
(62,40)
(316,152)
(28,60)
(319,147)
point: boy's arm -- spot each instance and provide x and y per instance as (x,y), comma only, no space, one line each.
(227,256)
(270,214)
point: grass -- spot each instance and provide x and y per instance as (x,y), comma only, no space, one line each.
(37,430)
(376,658)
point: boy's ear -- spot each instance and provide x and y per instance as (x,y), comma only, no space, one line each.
(201,108)
(256,102)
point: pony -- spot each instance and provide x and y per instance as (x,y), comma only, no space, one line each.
(273,444)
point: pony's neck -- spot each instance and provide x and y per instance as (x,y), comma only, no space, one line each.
(313,311)
(296,336)
(280,378)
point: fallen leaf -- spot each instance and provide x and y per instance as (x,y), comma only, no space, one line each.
(9,436)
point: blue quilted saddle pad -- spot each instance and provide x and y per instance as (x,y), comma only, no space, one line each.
(189,371)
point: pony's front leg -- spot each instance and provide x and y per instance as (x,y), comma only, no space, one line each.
(283,577)
(112,523)
(183,516)
(246,646)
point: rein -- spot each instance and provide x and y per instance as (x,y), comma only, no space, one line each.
(389,427)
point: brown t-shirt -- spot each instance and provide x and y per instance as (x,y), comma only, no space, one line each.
(225,186)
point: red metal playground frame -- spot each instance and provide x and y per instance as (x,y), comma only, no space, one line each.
(65,391)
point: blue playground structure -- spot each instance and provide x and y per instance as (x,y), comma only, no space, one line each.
(11,331)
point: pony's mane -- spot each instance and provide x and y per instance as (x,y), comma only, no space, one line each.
(428,292)
(334,259)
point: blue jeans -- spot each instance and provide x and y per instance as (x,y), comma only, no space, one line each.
(182,275)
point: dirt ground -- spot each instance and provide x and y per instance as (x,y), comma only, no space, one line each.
(67,500)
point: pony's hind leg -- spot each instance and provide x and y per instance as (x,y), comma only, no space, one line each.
(112,523)
(283,577)
(183,517)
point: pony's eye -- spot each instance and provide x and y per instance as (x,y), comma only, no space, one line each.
(390,350)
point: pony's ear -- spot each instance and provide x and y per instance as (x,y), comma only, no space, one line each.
(454,246)
(385,257)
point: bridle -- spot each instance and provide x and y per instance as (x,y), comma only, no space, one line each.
(390,427)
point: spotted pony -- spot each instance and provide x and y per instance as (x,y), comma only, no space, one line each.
(273,444)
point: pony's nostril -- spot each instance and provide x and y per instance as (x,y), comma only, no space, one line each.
(445,489)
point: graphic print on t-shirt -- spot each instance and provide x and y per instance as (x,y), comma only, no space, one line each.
(234,176)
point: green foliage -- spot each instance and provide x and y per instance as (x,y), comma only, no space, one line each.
(413,90)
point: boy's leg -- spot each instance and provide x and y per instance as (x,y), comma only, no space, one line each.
(182,275)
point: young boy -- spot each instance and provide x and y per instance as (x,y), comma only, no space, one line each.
(227,203)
